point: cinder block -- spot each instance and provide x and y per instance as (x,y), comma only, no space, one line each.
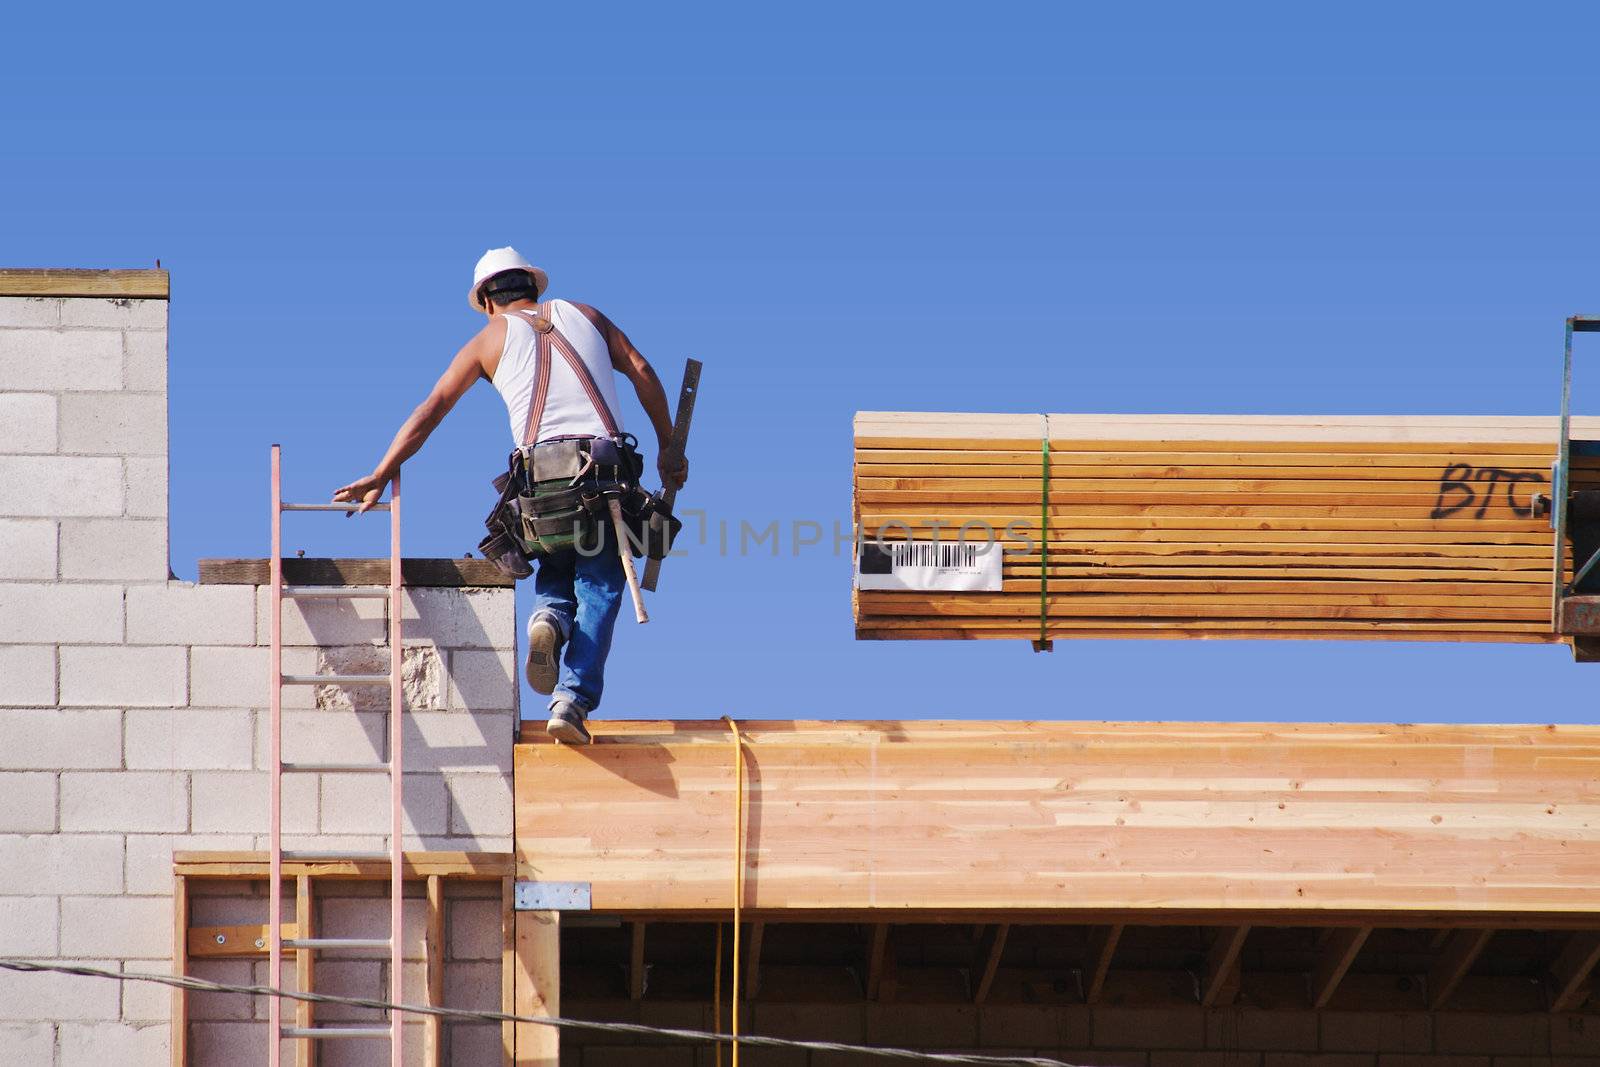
(60,360)
(473,930)
(1520,1034)
(29,805)
(483,680)
(368,916)
(845,1023)
(125,801)
(61,998)
(236,802)
(30,680)
(1020,1025)
(114,424)
(474,1043)
(324,623)
(50,738)
(45,864)
(27,423)
(345,736)
(146,486)
(32,1043)
(230,1043)
(125,927)
(472,985)
(914,1026)
(28,927)
(1205,1059)
(460,618)
(1422,1059)
(144,354)
(359,804)
(229,677)
(114,549)
(54,486)
(144,1003)
(460,741)
(130,677)
(126,1045)
(1152,1028)
(179,613)
(1372,1031)
(149,856)
(27,550)
(480,805)
(30,311)
(218,1005)
(1575,1034)
(117,313)
(41,613)
(1246,1028)
(422,678)
(189,739)
(1319,1059)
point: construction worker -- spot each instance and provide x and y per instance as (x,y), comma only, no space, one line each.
(577,594)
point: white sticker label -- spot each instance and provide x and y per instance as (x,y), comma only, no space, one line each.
(945,566)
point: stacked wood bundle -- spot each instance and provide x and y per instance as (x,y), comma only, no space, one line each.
(1191,526)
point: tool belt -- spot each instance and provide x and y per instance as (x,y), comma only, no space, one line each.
(556,496)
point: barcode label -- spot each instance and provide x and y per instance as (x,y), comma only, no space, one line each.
(944,566)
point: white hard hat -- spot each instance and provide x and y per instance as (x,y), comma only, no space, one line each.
(496,260)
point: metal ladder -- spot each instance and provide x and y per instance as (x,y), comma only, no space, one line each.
(392,767)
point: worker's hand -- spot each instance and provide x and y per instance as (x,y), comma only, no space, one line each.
(366,491)
(673,468)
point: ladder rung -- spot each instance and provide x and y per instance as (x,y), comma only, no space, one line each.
(309,855)
(336,942)
(341,768)
(335,592)
(336,679)
(323,1033)
(330,507)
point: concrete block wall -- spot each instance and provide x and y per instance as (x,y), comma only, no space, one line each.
(132,707)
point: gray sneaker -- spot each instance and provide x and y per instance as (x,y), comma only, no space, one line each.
(566,723)
(543,665)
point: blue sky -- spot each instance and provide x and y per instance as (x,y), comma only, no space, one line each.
(1251,208)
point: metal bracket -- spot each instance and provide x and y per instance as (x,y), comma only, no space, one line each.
(553,896)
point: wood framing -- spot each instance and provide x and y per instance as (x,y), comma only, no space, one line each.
(60,281)
(1214,823)
(538,986)
(1338,953)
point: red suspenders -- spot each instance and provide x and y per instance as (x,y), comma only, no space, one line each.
(545,335)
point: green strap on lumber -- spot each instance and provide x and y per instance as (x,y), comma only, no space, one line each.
(1044,537)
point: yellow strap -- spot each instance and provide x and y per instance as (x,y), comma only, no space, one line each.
(738,880)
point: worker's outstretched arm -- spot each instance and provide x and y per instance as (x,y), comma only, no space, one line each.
(476,359)
(628,361)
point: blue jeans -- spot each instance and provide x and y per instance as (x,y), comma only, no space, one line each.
(583,594)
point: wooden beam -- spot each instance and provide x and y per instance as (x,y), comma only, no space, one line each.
(994,946)
(446,573)
(538,986)
(485,866)
(508,969)
(1102,946)
(752,964)
(180,966)
(305,1054)
(433,969)
(59,281)
(1222,966)
(877,953)
(636,971)
(1569,974)
(1459,953)
(1338,953)
(243,941)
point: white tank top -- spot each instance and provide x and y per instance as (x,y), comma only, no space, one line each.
(568,410)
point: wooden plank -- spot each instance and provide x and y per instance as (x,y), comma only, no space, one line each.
(994,946)
(61,281)
(313,571)
(1221,978)
(752,966)
(1456,959)
(254,865)
(305,1053)
(538,987)
(179,1028)
(1102,947)
(1330,819)
(508,969)
(233,942)
(636,971)
(877,955)
(433,973)
(1338,954)
(1569,974)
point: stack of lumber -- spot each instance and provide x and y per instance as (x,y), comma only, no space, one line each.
(1353,527)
